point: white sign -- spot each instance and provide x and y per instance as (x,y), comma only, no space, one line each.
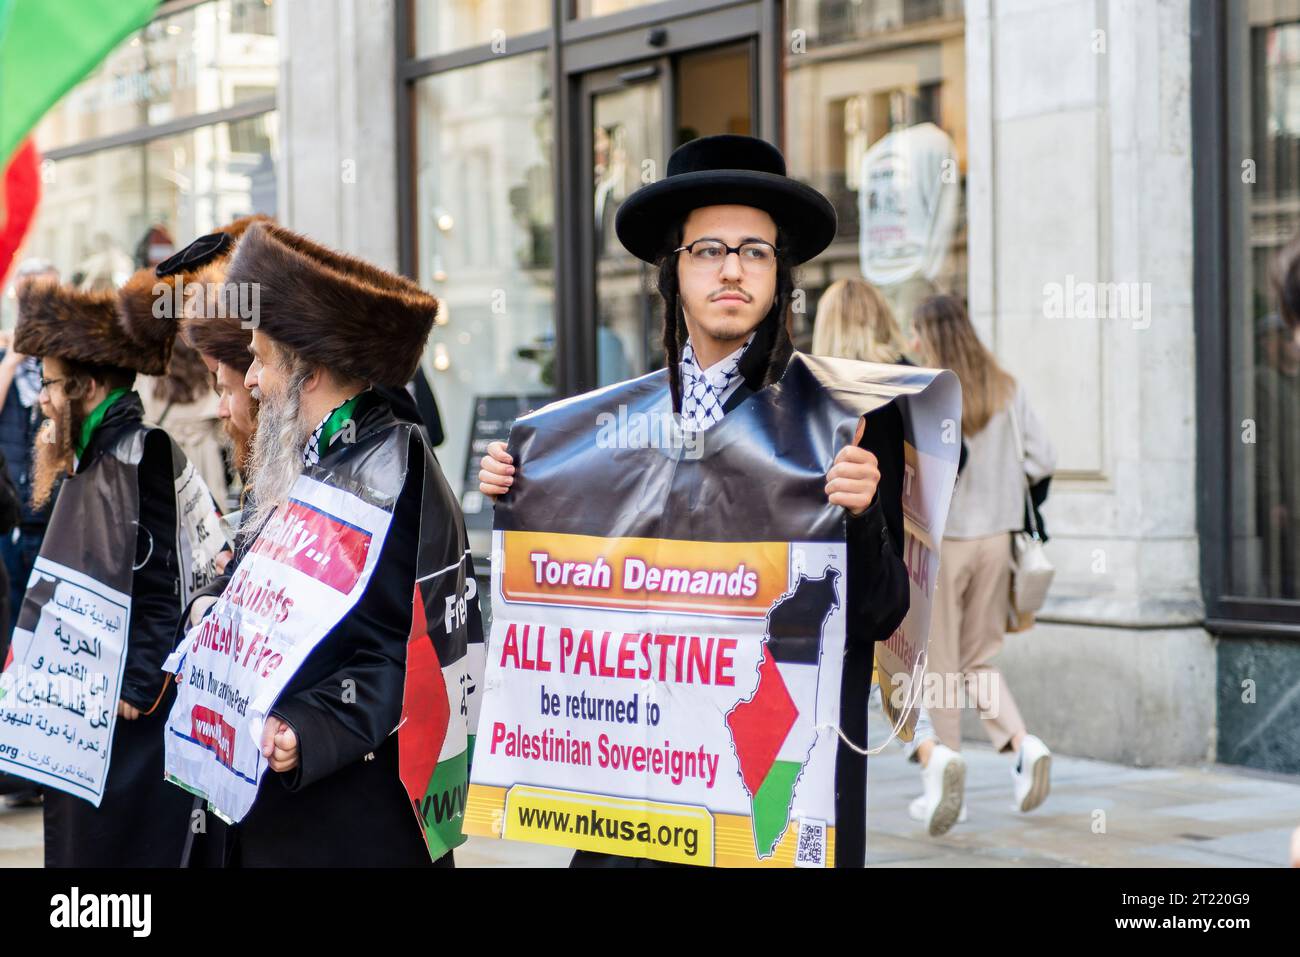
(202,538)
(907,205)
(305,570)
(58,698)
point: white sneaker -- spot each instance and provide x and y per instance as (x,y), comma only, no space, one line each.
(918,810)
(1032,774)
(943,803)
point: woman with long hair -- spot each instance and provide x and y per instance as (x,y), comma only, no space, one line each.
(854,321)
(973,591)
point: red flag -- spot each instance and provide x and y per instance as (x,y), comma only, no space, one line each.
(22,193)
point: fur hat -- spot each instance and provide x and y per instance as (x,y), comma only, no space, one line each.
(334,310)
(207,321)
(61,321)
(211,326)
(153,298)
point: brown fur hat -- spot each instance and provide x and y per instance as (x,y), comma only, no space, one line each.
(148,303)
(211,326)
(334,310)
(58,320)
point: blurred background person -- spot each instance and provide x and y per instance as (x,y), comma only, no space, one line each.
(20,420)
(972,595)
(1286,287)
(855,322)
(183,402)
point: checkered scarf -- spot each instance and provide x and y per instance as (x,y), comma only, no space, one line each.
(703,390)
(311,451)
(311,454)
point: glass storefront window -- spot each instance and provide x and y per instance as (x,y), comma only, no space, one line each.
(199,60)
(821,23)
(601,8)
(100,213)
(876,119)
(710,94)
(485,212)
(628,129)
(440,26)
(1265,355)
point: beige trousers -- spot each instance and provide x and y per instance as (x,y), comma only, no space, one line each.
(967,630)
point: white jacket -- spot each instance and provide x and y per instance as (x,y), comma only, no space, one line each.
(990,495)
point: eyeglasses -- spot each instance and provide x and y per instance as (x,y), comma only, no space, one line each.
(756,256)
(46,383)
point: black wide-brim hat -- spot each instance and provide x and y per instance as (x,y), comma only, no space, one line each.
(726,170)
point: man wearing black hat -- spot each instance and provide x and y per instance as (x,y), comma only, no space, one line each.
(726,228)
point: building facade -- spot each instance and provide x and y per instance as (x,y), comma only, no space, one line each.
(175,133)
(1110,182)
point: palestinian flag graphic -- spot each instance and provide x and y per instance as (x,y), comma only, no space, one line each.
(774,730)
(434,743)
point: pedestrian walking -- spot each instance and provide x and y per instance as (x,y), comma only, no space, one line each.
(1007,447)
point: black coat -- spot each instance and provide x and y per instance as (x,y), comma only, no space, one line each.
(879,597)
(344,804)
(142,820)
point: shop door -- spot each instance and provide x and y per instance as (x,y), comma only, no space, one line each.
(632,117)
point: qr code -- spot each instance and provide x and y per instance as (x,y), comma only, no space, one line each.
(811,851)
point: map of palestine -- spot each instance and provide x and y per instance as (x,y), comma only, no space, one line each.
(772,738)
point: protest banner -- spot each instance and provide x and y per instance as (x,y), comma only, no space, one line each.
(304,571)
(668,634)
(59,692)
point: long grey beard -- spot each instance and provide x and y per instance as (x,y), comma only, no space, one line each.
(276,459)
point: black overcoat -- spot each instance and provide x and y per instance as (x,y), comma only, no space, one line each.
(142,820)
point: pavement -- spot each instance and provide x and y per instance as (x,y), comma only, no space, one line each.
(1098,815)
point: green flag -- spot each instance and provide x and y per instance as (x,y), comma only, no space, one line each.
(46,47)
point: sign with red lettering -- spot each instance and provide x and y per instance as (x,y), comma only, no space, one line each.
(316,544)
(702,706)
(668,621)
(302,574)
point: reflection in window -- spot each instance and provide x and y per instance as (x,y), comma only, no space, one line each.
(485,211)
(440,26)
(601,8)
(199,60)
(104,214)
(710,95)
(881,131)
(829,22)
(1266,355)
(628,131)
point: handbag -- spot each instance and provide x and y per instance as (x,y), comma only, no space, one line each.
(1031,571)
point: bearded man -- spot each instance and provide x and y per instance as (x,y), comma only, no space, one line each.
(128,519)
(188,287)
(338,477)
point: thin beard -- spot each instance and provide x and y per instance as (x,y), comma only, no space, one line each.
(276,460)
(52,460)
(241,448)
